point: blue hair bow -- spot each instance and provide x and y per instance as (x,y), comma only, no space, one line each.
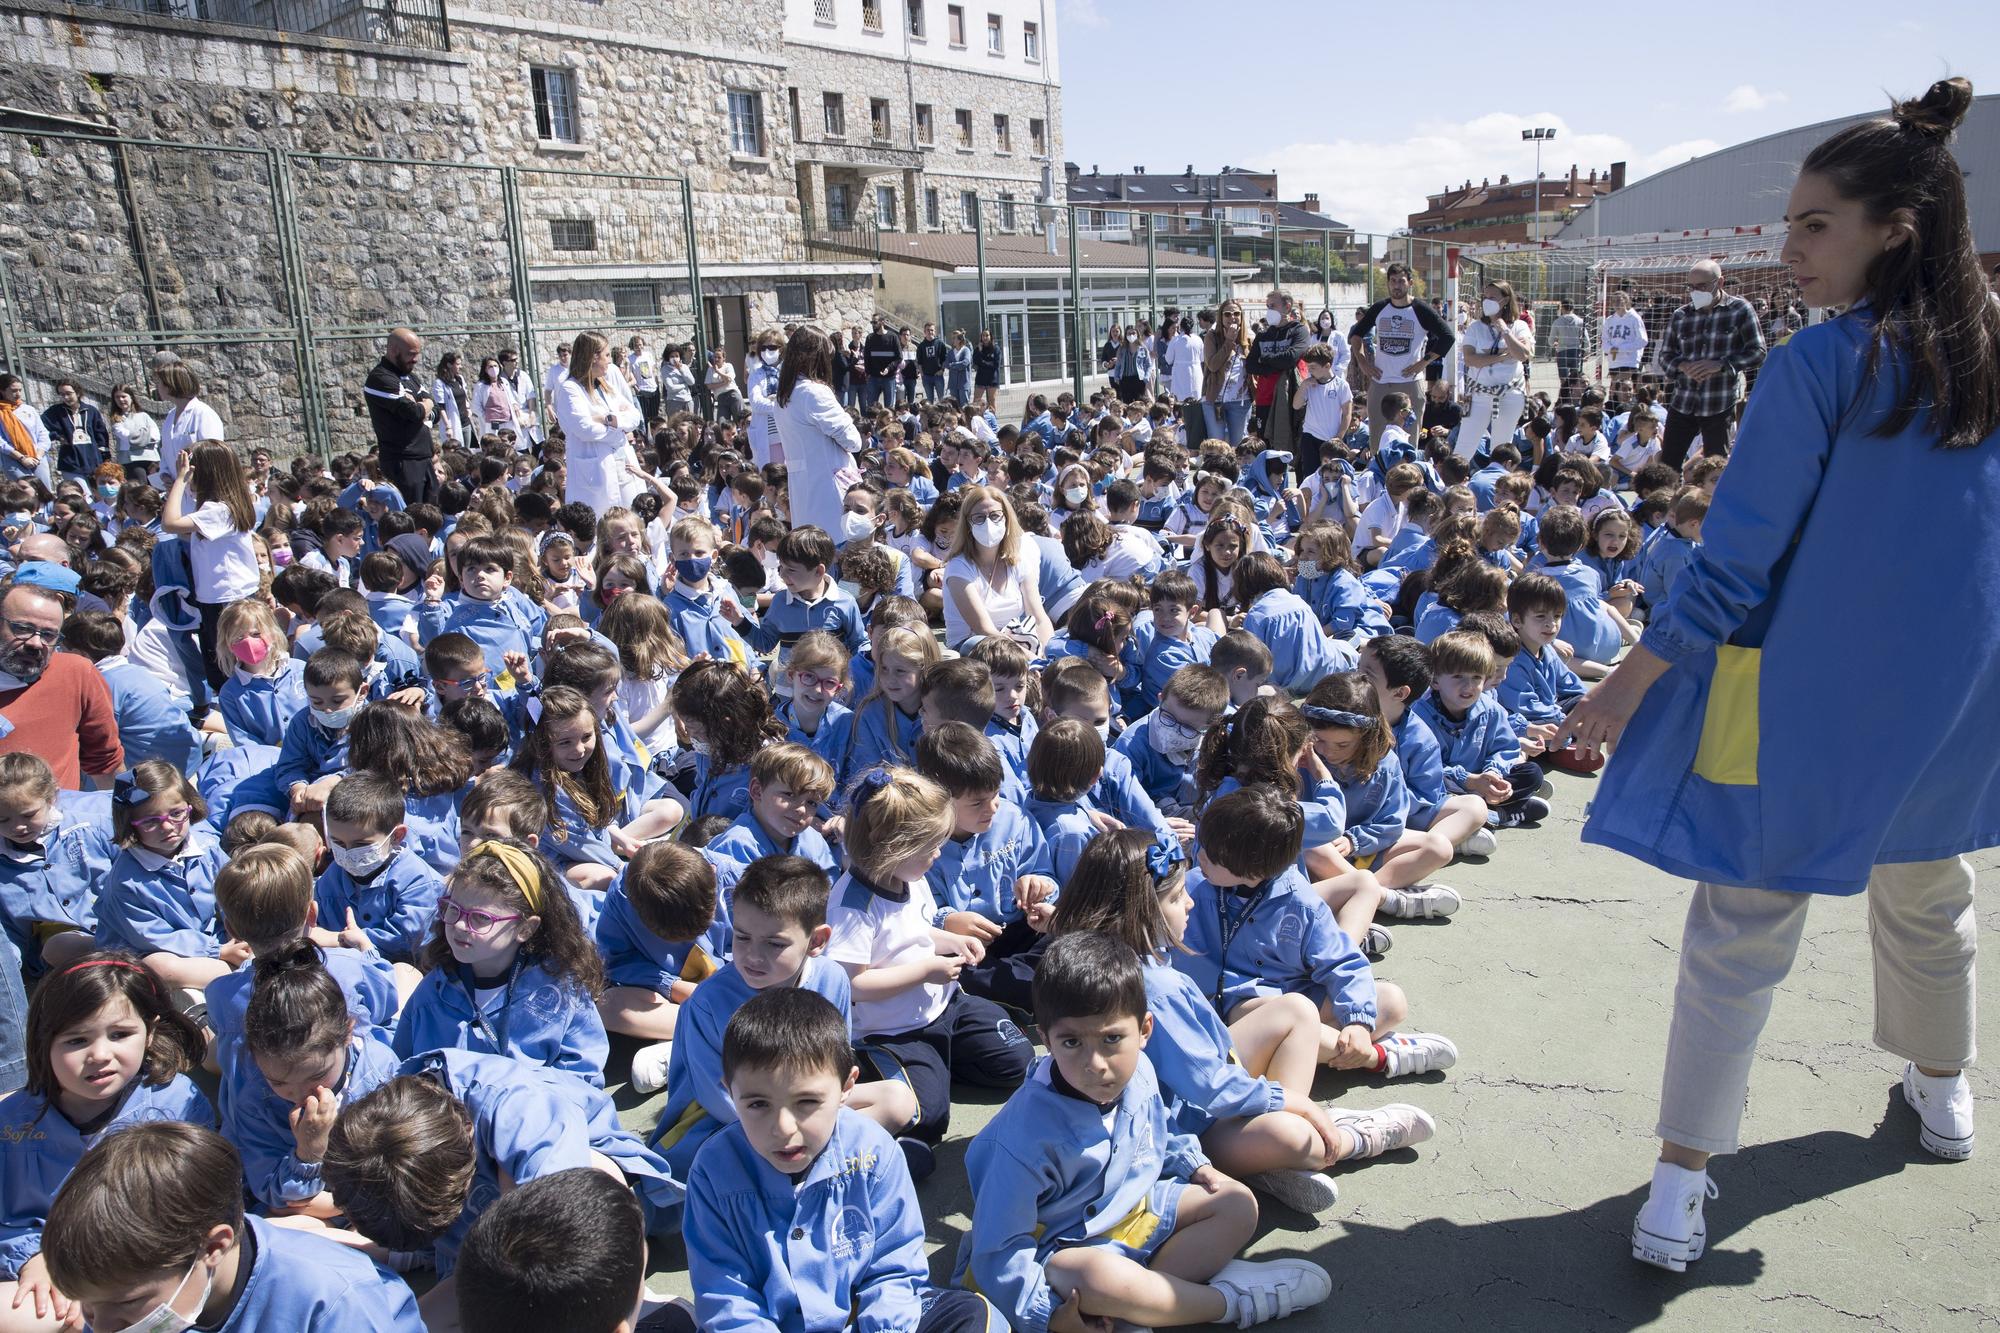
(1162,857)
(874,780)
(1336,717)
(125,789)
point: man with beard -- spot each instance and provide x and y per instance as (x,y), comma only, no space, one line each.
(52,704)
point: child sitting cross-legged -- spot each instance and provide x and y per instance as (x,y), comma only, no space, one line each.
(1246,1089)
(1088,1206)
(1257,931)
(991,880)
(158,898)
(1064,763)
(1400,670)
(1481,753)
(377,896)
(1539,689)
(911,1018)
(802,1215)
(592,823)
(1163,744)
(660,935)
(788,784)
(778,939)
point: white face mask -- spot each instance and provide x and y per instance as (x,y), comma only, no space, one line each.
(1274,314)
(1076,495)
(1171,745)
(1104,732)
(1308,569)
(1700,300)
(769,357)
(853,526)
(362,862)
(851,588)
(1489,307)
(334,719)
(163,1318)
(988,532)
(1326,324)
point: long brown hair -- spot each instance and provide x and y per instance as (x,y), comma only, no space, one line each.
(217,474)
(1927,294)
(808,355)
(173,1044)
(582,353)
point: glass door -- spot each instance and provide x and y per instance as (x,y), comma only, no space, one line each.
(1014,354)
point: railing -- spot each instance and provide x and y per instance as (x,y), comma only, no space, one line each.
(832,237)
(416,23)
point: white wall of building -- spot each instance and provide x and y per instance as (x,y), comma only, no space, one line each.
(806,22)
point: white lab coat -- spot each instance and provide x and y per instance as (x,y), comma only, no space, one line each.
(598,453)
(819,439)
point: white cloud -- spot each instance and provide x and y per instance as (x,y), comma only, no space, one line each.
(1748,97)
(1374,185)
(1080,14)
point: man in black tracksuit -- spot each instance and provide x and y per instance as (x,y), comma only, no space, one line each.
(399,408)
(882,353)
(931,353)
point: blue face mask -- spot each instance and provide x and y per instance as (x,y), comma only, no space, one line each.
(693,568)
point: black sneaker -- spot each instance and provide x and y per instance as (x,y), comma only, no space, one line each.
(1531,810)
(918,1156)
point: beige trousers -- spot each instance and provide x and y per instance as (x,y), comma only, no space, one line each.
(1740,943)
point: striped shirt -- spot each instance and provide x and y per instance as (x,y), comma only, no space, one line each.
(1727,331)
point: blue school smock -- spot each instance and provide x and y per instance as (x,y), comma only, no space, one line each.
(572,839)
(1779,751)
(1051,1171)
(394,667)
(434,828)
(1436,621)
(1587,626)
(42,1147)
(299,1281)
(1274,938)
(697,618)
(257,709)
(1539,688)
(499,627)
(365,978)
(1117,793)
(1160,778)
(159,904)
(634,956)
(309,753)
(238,778)
(1323,804)
(395,907)
(1059,583)
(698,1103)
(531,1017)
(872,742)
(1422,762)
(1482,741)
(55,882)
(790,618)
(1664,558)
(1301,653)
(1012,740)
(1481,484)
(1345,606)
(1410,550)
(1275,514)
(725,792)
(732,850)
(1160,657)
(977,873)
(1066,830)
(860,676)
(829,742)
(529,1122)
(1609,571)
(259,1122)
(841,1245)
(392,612)
(1377,806)
(1194,1057)
(152,724)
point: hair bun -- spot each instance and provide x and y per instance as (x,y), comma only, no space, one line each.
(1938,112)
(304,955)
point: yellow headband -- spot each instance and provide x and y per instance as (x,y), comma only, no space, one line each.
(520,867)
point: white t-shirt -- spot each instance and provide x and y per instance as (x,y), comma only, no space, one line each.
(1234,381)
(184,428)
(1004,605)
(1383,516)
(222,557)
(1131,551)
(887,933)
(1400,340)
(1325,404)
(1632,455)
(1596,450)
(1624,336)
(1483,338)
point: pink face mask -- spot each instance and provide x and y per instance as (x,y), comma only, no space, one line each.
(251,650)
(281,556)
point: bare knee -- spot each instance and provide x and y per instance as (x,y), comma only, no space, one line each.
(1299,1010)
(1392,1006)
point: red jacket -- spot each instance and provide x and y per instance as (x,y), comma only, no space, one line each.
(67,719)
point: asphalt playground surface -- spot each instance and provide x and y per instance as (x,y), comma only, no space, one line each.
(1556,982)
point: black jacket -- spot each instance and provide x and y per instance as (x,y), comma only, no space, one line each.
(1276,350)
(930,356)
(72,459)
(883,353)
(400,429)
(986,364)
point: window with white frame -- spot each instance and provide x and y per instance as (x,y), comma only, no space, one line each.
(1003,133)
(871,15)
(555,104)
(1006,212)
(933,213)
(746,123)
(1031,42)
(996,35)
(885,207)
(926,124)
(795,300)
(968,208)
(834,114)
(955,24)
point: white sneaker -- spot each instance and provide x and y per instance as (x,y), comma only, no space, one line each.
(1385,1129)
(1944,1105)
(1308,1191)
(649,1067)
(1480,842)
(1376,941)
(1257,1292)
(1412,1053)
(1669,1232)
(1422,902)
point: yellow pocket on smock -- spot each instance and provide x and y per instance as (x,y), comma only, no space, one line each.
(1728,751)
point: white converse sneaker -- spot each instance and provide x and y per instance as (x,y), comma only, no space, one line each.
(1257,1292)
(1308,1191)
(1376,941)
(1384,1129)
(1411,1053)
(1944,1105)
(1420,903)
(649,1066)
(1480,842)
(1669,1232)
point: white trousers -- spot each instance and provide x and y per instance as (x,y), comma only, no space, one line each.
(1499,412)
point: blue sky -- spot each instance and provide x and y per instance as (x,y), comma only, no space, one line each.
(1649,85)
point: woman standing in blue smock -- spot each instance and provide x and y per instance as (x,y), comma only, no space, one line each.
(1772,742)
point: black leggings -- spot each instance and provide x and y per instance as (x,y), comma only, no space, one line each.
(208,636)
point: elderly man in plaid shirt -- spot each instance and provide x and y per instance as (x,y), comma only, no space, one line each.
(1711,341)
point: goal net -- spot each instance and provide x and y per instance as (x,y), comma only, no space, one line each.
(1649,268)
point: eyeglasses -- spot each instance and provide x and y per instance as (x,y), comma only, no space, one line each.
(476,923)
(1168,722)
(811,681)
(21,629)
(469,683)
(178,815)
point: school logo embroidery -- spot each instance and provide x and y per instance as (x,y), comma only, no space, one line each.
(1290,929)
(1009,1033)
(851,1234)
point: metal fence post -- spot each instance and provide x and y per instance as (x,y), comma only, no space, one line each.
(694,278)
(1221,291)
(979,254)
(305,352)
(523,287)
(1076,303)
(1152,268)
(9,339)
(1326,271)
